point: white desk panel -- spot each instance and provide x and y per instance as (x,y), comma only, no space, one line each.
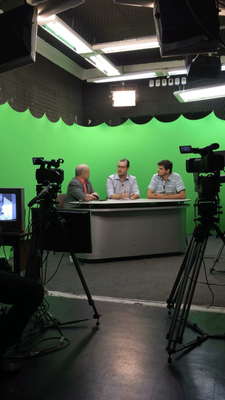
(131,228)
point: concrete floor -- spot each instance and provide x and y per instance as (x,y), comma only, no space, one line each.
(125,357)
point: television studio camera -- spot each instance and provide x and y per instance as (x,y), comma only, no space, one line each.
(207,186)
(55,231)
(207,179)
(49,178)
(44,218)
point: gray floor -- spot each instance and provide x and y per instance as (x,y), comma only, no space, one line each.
(125,358)
(149,279)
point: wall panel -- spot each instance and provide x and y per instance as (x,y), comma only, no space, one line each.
(100,147)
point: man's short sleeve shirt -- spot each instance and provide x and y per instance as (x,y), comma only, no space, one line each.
(172,185)
(115,186)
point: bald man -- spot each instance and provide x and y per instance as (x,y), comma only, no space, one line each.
(80,188)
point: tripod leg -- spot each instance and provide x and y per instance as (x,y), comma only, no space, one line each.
(222,237)
(189,255)
(34,262)
(186,291)
(216,259)
(90,300)
(77,266)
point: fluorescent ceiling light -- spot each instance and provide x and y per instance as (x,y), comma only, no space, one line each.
(124,98)
(75,42)
(137,3)
(150,42)
(181,71)
(205,93)
(101,63)
(125,77)
(65,34)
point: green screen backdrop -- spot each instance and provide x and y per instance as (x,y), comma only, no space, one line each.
(101,147)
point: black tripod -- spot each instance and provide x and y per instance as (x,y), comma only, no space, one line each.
(49,232)
(184,287)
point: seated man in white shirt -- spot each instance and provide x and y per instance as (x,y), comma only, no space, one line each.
(166,184)
(122,185)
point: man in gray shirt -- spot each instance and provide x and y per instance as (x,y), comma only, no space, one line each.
(166,184)
(122,185)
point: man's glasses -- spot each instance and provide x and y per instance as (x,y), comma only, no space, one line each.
(119,166)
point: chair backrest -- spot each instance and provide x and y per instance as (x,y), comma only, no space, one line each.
(60,200)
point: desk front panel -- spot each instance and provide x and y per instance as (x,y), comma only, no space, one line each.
(118,233)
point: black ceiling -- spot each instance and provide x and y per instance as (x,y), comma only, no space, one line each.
(99,21)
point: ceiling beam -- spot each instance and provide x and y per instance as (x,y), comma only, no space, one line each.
(56,6)
(58,58)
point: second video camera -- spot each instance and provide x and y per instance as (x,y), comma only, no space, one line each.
(209,161)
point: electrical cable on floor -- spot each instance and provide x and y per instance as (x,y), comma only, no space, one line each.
(209,285)
(44,321)
(56,270)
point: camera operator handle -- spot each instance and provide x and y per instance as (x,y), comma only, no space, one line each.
(42,194)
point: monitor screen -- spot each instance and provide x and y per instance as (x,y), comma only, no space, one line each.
(7,206)
(12,209)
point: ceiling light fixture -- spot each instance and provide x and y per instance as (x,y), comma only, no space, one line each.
(123,96)
(137,3)
(65,34)
(60,30)
(101,63)
(55,6)
(124,99)
(35,2)
(181,71)
(150,42)
(199,94)
(125,77)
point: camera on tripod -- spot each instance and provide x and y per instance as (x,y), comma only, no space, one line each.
(46,174)
(207,203)
(49,178)
(210,163)
(54,231)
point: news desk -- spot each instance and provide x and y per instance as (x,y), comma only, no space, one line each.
(131,228)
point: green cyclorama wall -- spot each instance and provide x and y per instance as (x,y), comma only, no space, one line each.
(24,137)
